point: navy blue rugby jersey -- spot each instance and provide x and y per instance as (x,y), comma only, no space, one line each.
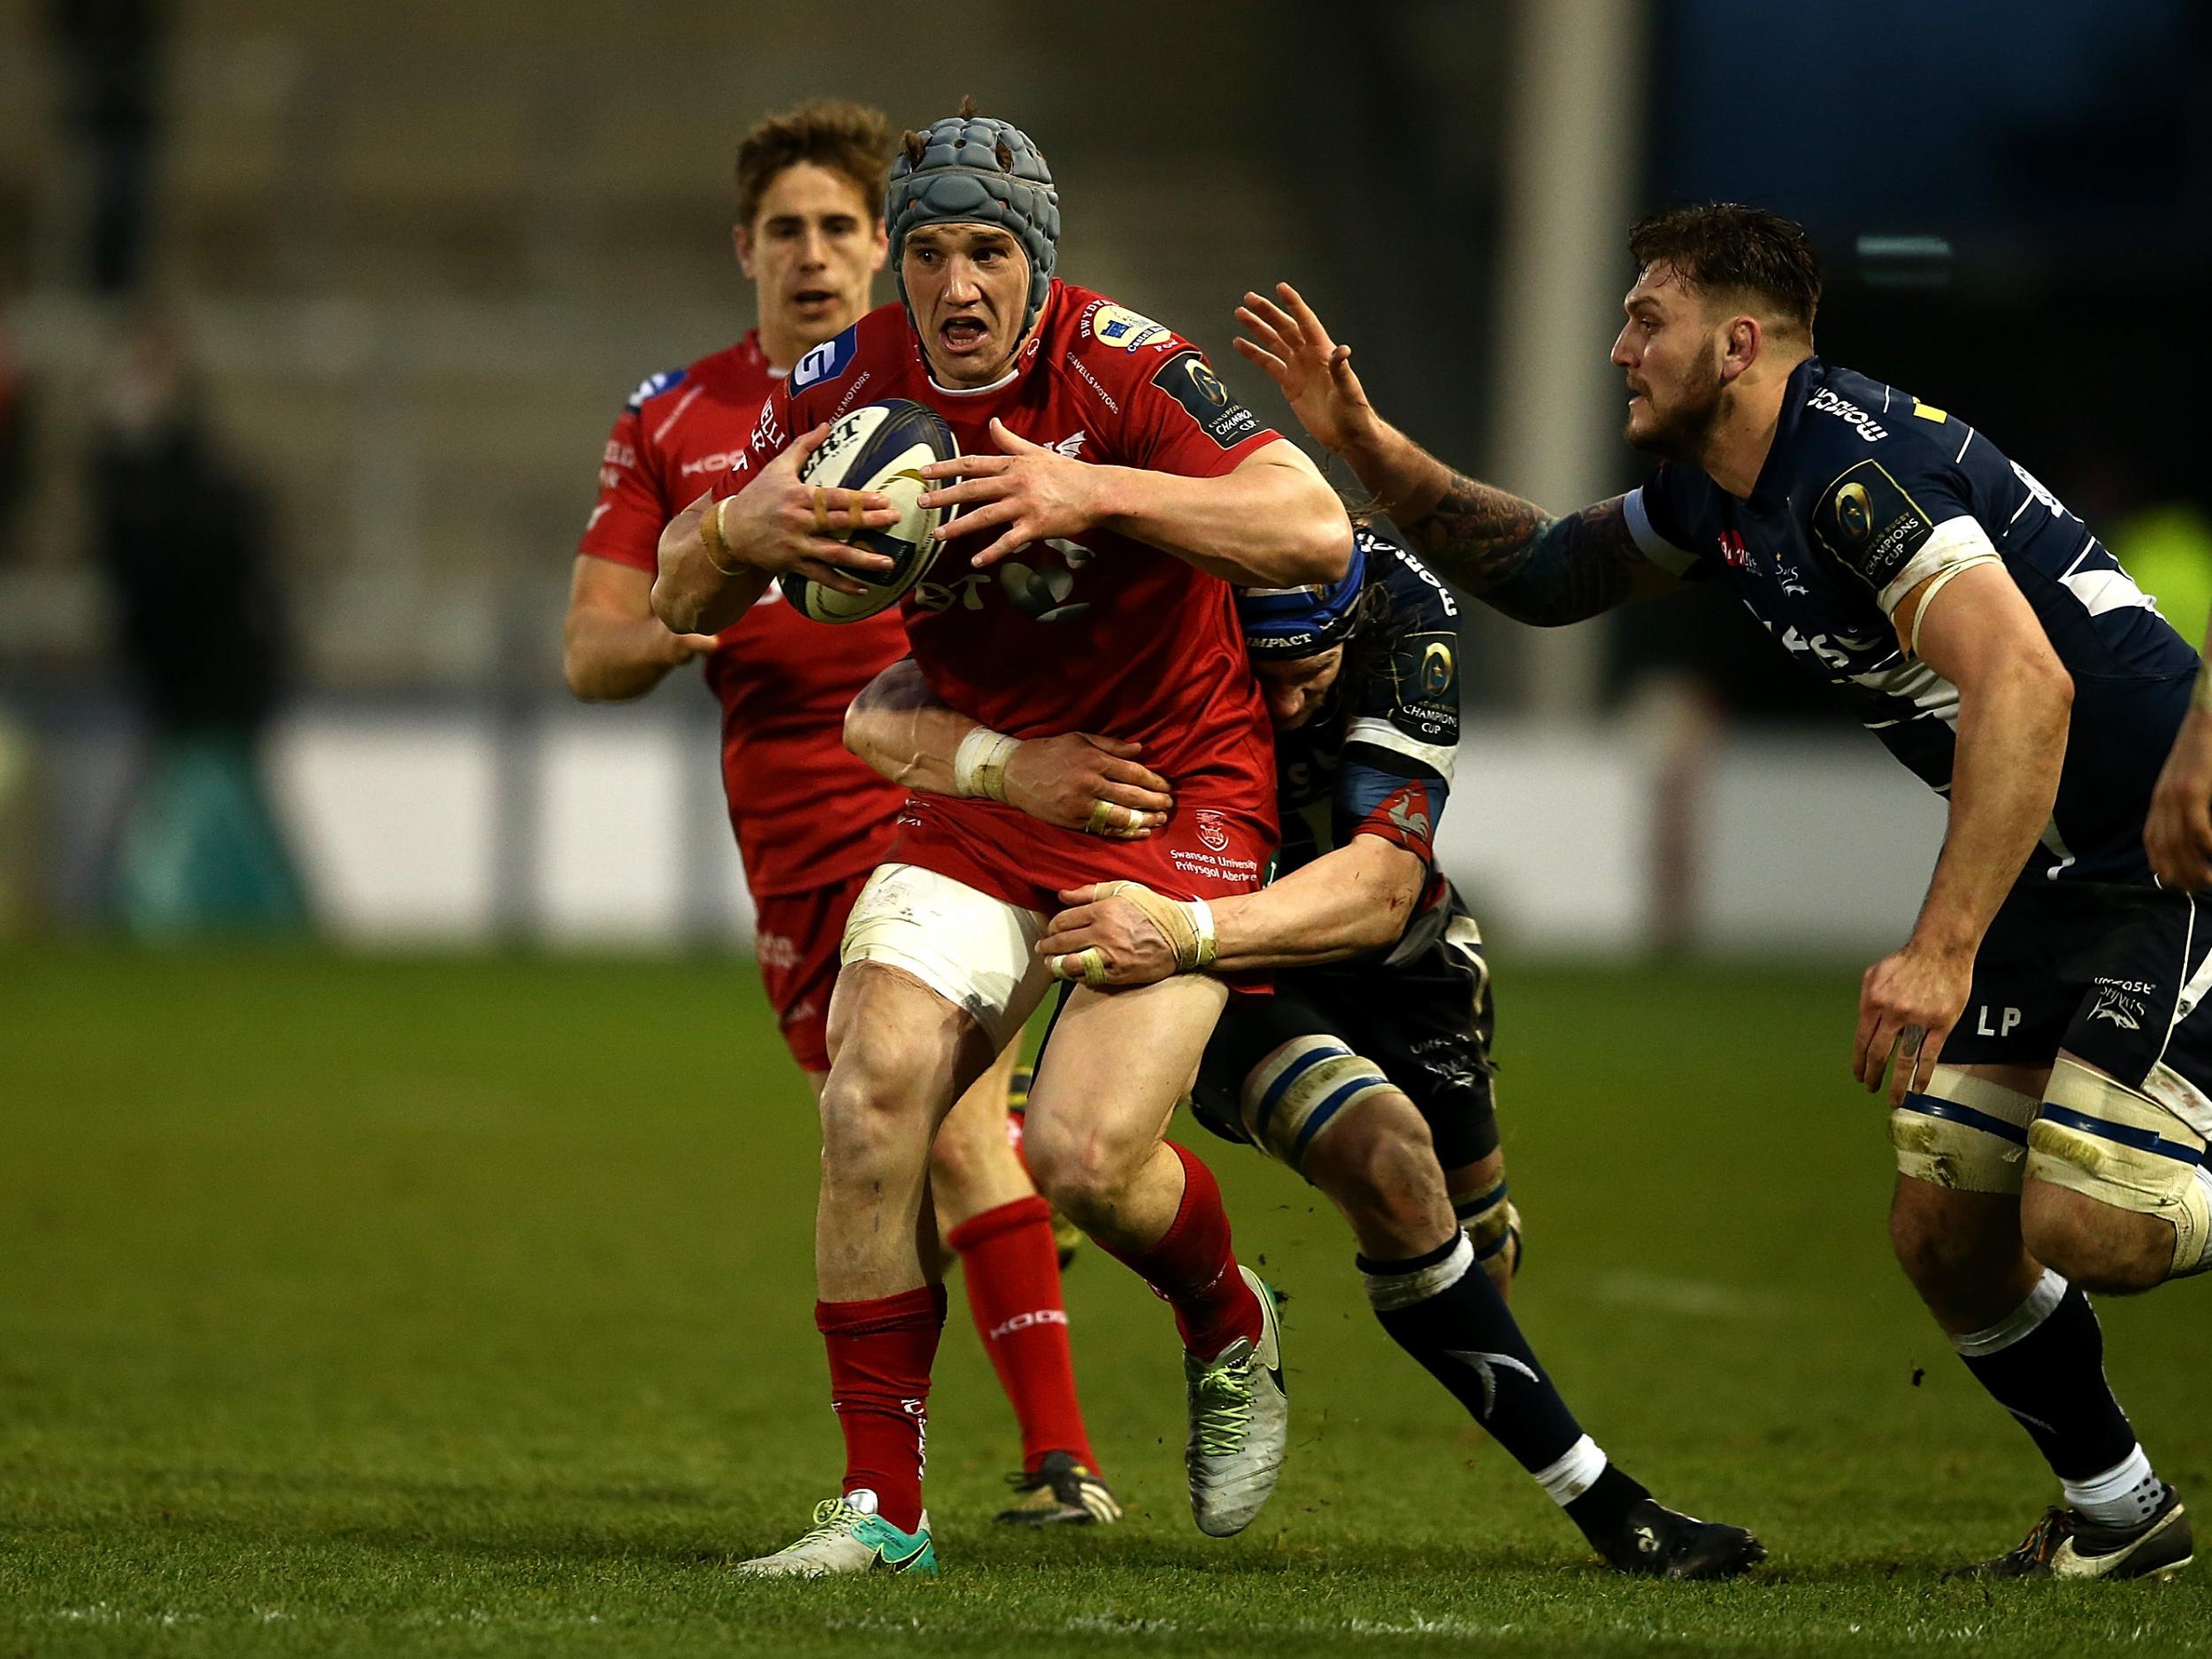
(1377,759)
(1867,493)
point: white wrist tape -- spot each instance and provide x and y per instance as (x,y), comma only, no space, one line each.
(978,765)
(1204,946)
(1187,925)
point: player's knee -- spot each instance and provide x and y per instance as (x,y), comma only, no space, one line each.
(2105,1251)
(1082,1168)
(2119,1196)
(1380,1164)
(1940,1245)
(870,1106)
(954,1165)
(972,1151)
(1963,1147)
(1303,1094)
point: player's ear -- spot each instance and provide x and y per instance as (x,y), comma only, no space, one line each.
(881,255)
(741,240)
(1740,345)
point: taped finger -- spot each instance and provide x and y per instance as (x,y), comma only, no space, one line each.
(1087,965)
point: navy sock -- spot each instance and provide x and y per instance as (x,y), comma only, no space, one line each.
(1443,1310)
(2044,1362)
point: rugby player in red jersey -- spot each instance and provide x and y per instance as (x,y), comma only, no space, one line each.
(1110,488)
(811,821)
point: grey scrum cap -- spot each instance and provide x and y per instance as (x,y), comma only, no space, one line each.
(971,169)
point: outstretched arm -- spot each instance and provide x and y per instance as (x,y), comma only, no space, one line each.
(1270,521)
(1077,780)
(1353,899)
(1510,553)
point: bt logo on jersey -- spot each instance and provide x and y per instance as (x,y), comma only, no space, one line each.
(1039,592)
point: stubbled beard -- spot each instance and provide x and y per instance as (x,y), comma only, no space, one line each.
(1681,435)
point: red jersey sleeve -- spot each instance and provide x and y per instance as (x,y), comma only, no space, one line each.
(771,436)
(626,521)
(1182,419)
(798,402)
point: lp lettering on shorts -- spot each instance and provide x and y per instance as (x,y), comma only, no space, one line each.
(2007,1020)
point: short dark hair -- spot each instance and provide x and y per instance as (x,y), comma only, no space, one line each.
(1726,248)
(844,137)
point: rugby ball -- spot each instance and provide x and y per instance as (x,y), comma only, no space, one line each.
(880,446)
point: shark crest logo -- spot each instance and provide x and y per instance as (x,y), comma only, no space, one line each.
(1485,1366)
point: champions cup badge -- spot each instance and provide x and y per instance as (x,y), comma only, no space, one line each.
(1211,835)
(1436,669)
(1853,511)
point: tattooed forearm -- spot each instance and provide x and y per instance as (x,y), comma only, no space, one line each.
(1510,553)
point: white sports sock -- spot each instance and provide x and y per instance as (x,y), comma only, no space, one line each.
(1574,1472)
(2125,1495)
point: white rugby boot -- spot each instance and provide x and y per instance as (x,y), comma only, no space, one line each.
(1239,1423)
(848,1536)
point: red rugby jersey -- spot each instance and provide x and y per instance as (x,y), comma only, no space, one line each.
(806,811)
(1107,635)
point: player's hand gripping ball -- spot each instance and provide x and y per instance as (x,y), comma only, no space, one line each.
(880,448)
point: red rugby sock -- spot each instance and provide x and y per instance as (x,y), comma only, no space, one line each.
(1014,1293)
(1193,1270)
(879,1357)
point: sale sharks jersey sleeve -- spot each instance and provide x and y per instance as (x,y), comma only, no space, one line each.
(1378,758)
(1867,494)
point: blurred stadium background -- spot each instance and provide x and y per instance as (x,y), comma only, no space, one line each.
(399,263)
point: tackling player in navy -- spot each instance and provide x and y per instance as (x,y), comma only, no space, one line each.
(1368,1070)
(2051,1098)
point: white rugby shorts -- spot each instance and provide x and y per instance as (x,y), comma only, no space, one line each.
(976,952)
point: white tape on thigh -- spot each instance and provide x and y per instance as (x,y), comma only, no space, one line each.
(976,952)
(1293,1096)
(1966,1133)
(2100,1138)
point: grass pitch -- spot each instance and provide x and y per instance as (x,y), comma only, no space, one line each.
(463,1307)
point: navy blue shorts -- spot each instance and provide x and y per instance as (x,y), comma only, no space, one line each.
(1426,1024)
(2115,975)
